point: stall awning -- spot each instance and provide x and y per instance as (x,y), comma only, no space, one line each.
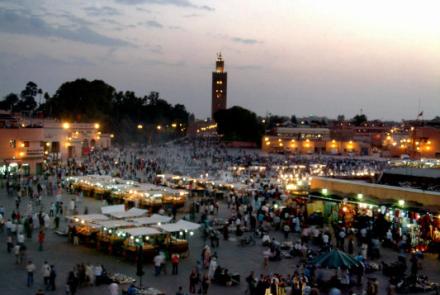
(141,231)
(112,209)
(133,212)
(153,219)
(89,217)
(178,226)
(114,223)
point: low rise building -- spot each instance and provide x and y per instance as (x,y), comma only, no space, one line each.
(24,147)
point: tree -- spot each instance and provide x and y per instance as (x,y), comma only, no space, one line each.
(9,101)
(240,124)
(96,101)
(293,120)
(27,102)
(359,119)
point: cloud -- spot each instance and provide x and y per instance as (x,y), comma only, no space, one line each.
(157,62)
(246,41)
(14,60)
(246,67)
(143,9)
(15,23)
(101,11)
(191,15)
(151,24)
(178,3)
(175,28)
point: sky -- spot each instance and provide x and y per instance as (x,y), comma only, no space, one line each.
(285,57)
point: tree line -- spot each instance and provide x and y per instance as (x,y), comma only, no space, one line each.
(119,112)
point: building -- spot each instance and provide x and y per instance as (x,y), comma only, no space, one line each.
(303,140)
(26,146)
(219,86)
(415,142)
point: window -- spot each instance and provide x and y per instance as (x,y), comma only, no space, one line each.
(26,143)
(219,82)
(12,143)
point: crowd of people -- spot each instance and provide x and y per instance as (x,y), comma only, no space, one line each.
(285,232)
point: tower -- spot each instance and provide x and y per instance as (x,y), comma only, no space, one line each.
(219,86)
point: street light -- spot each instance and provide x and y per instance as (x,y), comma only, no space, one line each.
(159,127)
(66,125)
(140,126)
(97,126)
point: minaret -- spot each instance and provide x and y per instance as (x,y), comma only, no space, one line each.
(219,86)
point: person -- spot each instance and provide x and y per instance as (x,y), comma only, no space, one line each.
(57,222)
(193,281)
(334,291)
(30,268)
(46,274)
(205,284)
(114,288)
(180,291)
(372,286)
(251,281)
(131,290)
(41,237)
(212,268)
(17,254)
(157,264)
(52,278)
(175,259)
(72,283)
(286,230)
(9,244)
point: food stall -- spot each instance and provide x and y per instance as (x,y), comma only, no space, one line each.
(107,238)
(178,232)
(83,227)
(146,237)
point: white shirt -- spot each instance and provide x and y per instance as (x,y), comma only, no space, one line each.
(30,267)
(46,270)
(114,289)
(158,260)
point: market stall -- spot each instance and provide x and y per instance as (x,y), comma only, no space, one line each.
(108,239)
(149,239)
(178,233)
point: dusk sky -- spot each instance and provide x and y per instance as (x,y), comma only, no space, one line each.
(285,57)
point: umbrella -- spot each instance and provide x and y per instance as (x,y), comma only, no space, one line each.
(335,259)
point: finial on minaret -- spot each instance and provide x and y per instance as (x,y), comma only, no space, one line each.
(219,56)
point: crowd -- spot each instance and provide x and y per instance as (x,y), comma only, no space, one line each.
(284,231)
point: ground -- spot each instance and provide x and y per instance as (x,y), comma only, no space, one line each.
(64,256)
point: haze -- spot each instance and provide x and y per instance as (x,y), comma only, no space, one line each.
(284,57)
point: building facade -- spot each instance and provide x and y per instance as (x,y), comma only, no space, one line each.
(25,147)
(219,86)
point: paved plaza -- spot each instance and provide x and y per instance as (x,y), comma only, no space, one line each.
(64,256)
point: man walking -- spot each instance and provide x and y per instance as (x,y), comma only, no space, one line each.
(46,274)
(41,237)
(30,268)
(175,259)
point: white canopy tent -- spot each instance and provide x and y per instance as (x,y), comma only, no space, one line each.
(88,217)
(114,223)
(141,231)
(179,226)
(153,219)
(112,209)
(133,212)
